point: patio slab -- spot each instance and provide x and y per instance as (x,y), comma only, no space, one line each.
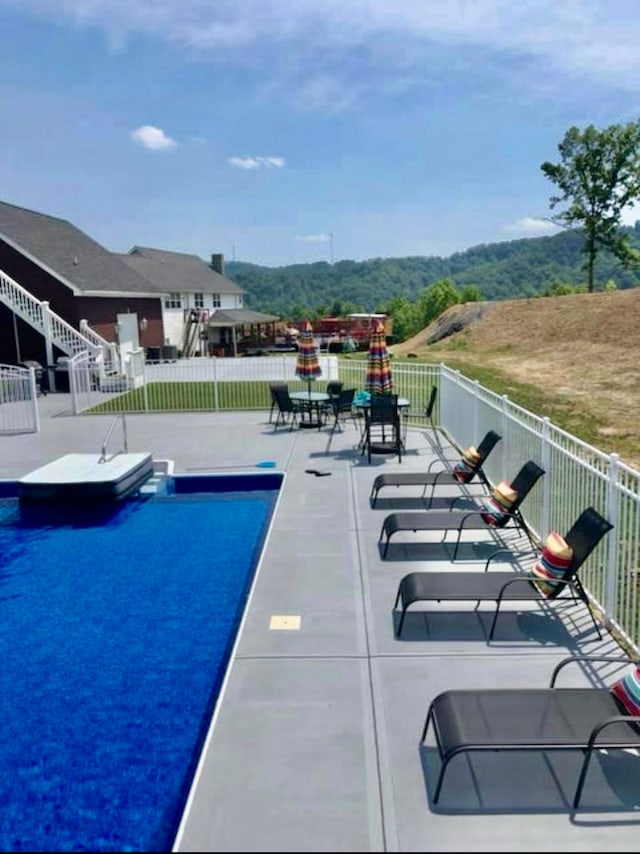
(314,743)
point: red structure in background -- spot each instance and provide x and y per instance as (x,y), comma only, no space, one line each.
(357,327)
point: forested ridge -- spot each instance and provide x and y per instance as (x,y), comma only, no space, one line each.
(506,270)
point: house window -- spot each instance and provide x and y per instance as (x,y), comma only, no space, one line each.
(240,303)
(216,300)
(198,300)
(173,301)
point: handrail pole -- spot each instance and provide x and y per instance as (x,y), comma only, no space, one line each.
(103,455)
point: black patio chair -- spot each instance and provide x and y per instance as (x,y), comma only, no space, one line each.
(535,719)
(382,430)
(287,409)
(508,586)
(333,389)
(429,415)
(342,408)
(274,404)
(480,519)
(447,477)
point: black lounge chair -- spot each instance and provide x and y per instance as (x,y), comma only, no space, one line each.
(464,520)
(534,719)
(446,477)
(507,586)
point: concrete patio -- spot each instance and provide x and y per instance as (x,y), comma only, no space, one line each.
(314,745)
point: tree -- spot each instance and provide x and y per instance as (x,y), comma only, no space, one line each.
(598,175)
(435,299)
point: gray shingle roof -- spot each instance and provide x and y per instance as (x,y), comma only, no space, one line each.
(177,272)
(68,253)
(239,317)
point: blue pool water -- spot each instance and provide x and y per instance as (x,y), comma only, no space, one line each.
(116,624)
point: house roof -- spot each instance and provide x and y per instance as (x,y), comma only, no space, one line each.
(69,254)
(177,272)
(239,317)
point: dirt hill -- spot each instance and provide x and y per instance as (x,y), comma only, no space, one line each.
(582,351)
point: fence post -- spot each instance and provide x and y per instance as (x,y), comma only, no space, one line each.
(34,402)
(145,393)
(216,398)
(476,408)
(611,570)
(545,462)
(504,424)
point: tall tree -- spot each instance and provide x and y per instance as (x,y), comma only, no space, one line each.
(598,175)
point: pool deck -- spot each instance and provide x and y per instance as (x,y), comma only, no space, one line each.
(315,742)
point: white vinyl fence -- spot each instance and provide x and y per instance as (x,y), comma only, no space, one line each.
(577,475)
(18,404)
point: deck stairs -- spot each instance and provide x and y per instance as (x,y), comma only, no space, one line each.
(57,332)
(193,327)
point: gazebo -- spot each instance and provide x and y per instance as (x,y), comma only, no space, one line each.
(234,330)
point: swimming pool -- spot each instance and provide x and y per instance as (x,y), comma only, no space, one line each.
(117,622)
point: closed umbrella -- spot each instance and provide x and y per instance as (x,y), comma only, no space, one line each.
(307,364)
(378,379)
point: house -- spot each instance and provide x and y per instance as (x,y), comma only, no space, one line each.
(62,292)
(202,310)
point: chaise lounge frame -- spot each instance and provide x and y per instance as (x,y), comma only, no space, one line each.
(531,719)
(433,479)
(506,586)
(463,520)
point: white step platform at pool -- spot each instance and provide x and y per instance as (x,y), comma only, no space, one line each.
(87,476)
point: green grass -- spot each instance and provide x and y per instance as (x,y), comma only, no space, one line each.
(191,396)
(564,412)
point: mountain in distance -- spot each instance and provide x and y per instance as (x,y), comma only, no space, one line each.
(525,267)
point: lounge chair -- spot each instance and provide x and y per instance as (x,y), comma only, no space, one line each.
(481,519)
(537,719)
(509,586)
(447,477)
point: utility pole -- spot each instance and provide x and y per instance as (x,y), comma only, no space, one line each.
(331,246)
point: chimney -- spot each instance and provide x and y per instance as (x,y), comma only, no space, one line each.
(217,263)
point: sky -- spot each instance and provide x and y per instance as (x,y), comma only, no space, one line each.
(287,131)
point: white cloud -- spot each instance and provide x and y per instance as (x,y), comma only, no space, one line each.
(153,138)
(257,162)
(314,238)
(592,40)
(531,226)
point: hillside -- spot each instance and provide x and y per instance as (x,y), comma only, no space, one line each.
(581,353)
(515,268)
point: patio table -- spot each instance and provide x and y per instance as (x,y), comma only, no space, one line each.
(312,404)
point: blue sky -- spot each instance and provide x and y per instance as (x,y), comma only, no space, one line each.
(288,131)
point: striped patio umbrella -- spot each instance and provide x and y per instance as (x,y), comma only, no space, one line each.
(378,379)
(307,364)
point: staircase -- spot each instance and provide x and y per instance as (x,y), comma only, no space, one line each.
(56,331)
(194,324)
